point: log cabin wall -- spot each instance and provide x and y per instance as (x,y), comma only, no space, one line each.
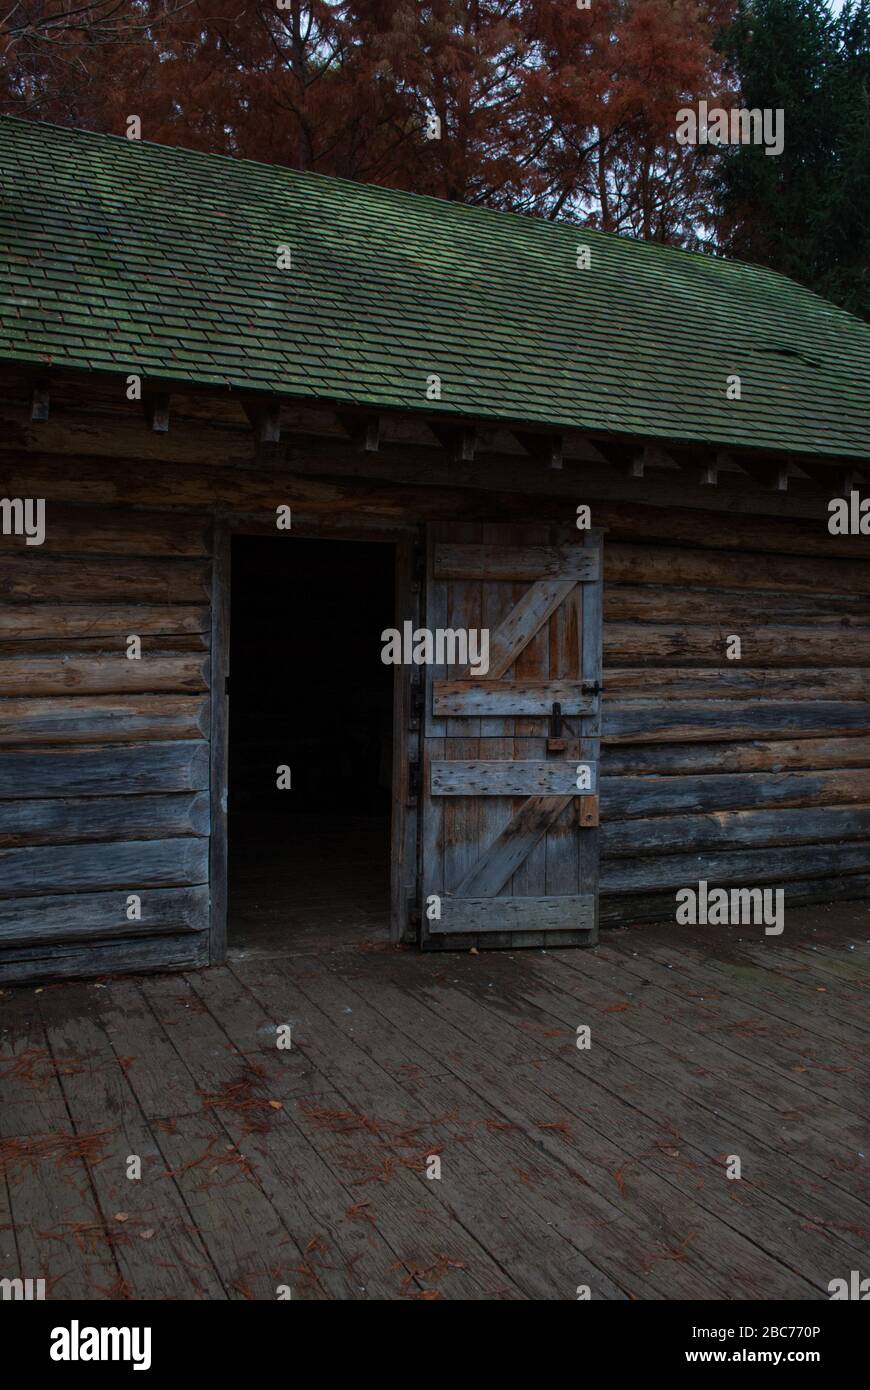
(749,771)
(104,761)
(744,772)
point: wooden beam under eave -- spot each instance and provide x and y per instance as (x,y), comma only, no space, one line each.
(650,456)
(837,481)
(459,441)
(156,409)
(265,418)
(773,476)
(588,450)
(850,479)
(40,403)
(548,448)
(634,460)
(618,455)
(707,474)
(364,431)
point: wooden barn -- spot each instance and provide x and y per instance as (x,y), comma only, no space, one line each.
(253,420)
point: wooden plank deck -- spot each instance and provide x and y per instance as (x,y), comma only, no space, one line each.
(559,1167)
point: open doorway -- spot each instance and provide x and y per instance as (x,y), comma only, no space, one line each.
(310,865)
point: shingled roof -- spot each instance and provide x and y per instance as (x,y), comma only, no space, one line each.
(123,256)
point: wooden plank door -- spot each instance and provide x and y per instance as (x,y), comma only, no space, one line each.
(509,799)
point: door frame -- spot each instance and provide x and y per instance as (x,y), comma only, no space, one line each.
(406,540)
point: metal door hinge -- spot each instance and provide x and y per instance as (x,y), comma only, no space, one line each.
(417,703)
(412,921)
(415,782)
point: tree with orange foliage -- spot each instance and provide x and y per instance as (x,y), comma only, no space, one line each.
(532,105)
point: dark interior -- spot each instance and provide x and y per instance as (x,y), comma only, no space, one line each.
(309,691)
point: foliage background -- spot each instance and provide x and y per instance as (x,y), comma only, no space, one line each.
(543,107)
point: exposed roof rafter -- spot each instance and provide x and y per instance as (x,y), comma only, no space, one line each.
(265,417)
(548,448)
(460,441)
(363,430)
(40,404)
(155,407)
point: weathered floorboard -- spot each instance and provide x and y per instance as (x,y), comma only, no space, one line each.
(559,1166)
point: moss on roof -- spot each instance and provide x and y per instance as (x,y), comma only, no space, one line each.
(123,256)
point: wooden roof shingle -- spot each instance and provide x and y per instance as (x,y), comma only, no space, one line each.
(123,256)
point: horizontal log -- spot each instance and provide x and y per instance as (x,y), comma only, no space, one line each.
(632,644)
(629,564)
(89,916)
(731,830)
(87,428)
(63,467)
(679,722)
(57,470)
(130,867)
(505,487)
(770,866)
(481,915)
(109,770)
(756,756)
(660,603)
(715,530)
(64,820)
(59,675)
(506,778)
(50,962)
(41,578)
(102,719)
(506,697)
(105,646)
(693,683)
(627,909)
(104,531)
(55,622)
(632,798)
(506,562)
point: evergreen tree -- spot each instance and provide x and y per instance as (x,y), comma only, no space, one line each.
(805,212)
(845,274)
